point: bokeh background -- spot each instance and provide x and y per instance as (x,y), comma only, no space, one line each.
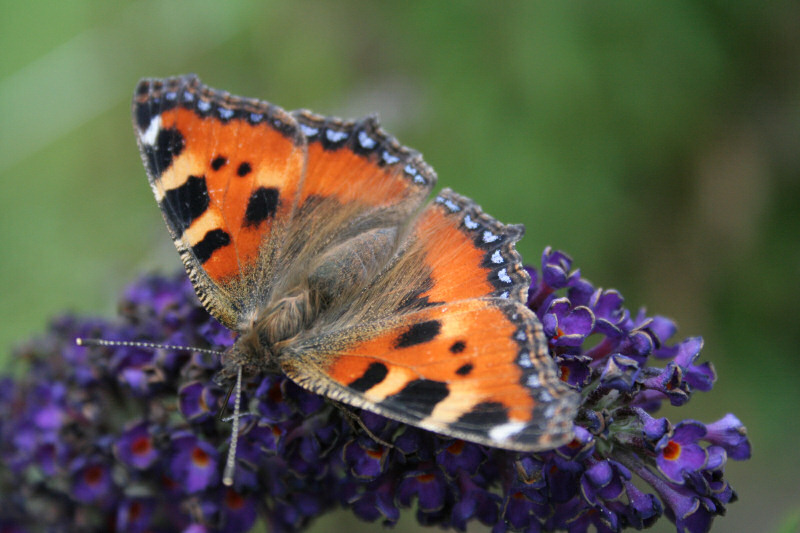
(657,143)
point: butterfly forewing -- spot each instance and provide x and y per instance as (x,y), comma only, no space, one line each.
(226,173)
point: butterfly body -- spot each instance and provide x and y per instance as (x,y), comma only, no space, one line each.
(311,238)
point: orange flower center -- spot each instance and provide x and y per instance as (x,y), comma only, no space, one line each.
(142,445)
(672,450)
(375,454)
(135,510)
(203,403)
(233,500)
(456,448)
(275,394)
(200,457)
(93,475)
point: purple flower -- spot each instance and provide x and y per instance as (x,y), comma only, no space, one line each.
(128,437)
(575,369)
(555,275)
(134,514)
(475,502)
(196,400)
(556,269)
(194,463)
(520,512)
(364,457)
(565,325)
(91,480)
(373,502)
(679,452)
(135,447)
(643,509)
(238,512)
(429,487)
(458,456)
(729,433)
(620,372)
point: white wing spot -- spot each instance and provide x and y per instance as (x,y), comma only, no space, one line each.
(187,96)
(389,158)
(521,336)
(533,380)
(504,294)
(256,117)
(335,136)
(308,131)
(203,106)
(524,360)
(411,171)
(505,431)
(366,141)
(225,113)
(171,95)
(488,236)
(502,274)
(468,222)
(150,134)
(497,257)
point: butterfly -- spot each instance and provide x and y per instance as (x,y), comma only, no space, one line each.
(313,239)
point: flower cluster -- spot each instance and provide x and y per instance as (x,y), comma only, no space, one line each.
(127,438)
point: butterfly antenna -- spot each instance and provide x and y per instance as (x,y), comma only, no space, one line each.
(102,342)
(230,464)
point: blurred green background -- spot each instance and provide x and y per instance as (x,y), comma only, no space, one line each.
(657,143)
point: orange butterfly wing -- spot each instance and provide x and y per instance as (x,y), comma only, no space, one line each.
(226,173)
(443,340)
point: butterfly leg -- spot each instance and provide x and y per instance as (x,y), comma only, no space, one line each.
(221,414)
(527,475)
(354,420)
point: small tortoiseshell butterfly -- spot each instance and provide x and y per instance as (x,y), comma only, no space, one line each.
(311,238)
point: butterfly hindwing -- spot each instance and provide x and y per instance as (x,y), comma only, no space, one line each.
(226,173)
(474,369)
